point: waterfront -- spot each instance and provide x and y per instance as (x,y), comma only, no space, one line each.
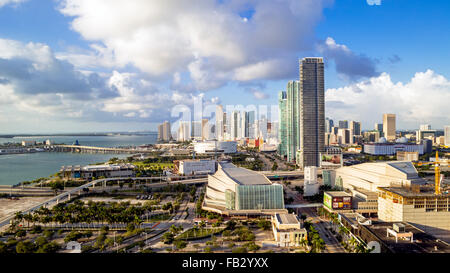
(15,168)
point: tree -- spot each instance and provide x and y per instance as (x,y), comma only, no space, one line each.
(21,233)
(274,166)
(264,224)
(180,244)
(25,247)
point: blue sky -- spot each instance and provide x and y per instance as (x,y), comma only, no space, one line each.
(75,65)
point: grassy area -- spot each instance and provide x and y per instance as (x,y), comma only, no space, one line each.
(194,233)
(153,166)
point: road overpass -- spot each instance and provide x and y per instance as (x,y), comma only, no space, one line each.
(103,182)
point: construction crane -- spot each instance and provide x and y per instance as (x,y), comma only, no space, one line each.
(437,173)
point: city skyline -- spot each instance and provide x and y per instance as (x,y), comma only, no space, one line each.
(66,68)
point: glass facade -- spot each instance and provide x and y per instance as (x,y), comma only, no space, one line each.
(251,197)
(282,131)
(230,200)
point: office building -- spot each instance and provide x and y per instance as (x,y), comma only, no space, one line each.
(293,120)
(312,111)
(282,131)
(447,135)
(371,136)
(288,231)
(389,126)
(164,133)
(238,191)
(379,127)
(421,208)
(220,123)
(343,124)
(196,130)
(329,123)
(344,136)
(355,127)
(427,145)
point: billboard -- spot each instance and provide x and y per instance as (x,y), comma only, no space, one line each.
(331,160)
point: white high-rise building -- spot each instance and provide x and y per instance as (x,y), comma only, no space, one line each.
(184,131)
(447,135)
(389,126)
(219,131)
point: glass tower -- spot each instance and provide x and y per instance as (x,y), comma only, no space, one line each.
(312,112)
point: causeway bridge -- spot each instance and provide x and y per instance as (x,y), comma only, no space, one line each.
(92,149)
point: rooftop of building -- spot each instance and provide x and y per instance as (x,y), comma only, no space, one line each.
(338,194)
(104,167)
(287,219)
(407,192)
(423,242)
(243,176)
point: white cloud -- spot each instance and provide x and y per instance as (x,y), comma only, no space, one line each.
(424,99)
(207,39)
(11,2)
(349,64)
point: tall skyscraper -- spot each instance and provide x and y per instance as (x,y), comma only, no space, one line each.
(329,123)
(293,119)
(378,127)
(250,125)
(447,135)
(282,131)
(184,131)
(389,126)
(356,127)
(220,129)
(343,124)
(196,130)
(235,125)
(164,133)
(312,112)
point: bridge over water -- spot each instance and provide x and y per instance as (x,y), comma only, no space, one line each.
(92,149)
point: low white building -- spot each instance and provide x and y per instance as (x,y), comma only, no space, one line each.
(190,167)
(311,186)
(386,148)
(287,230)
(96,171)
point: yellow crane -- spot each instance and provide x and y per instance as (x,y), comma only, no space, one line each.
(437,173)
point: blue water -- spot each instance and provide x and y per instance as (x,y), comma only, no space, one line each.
(25,167)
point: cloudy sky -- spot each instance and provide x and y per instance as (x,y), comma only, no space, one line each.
(122,65)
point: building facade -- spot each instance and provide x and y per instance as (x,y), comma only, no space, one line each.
(389,126)
(312,111)
(238,191)
(293,120)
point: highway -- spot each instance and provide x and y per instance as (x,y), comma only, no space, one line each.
(79,190)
